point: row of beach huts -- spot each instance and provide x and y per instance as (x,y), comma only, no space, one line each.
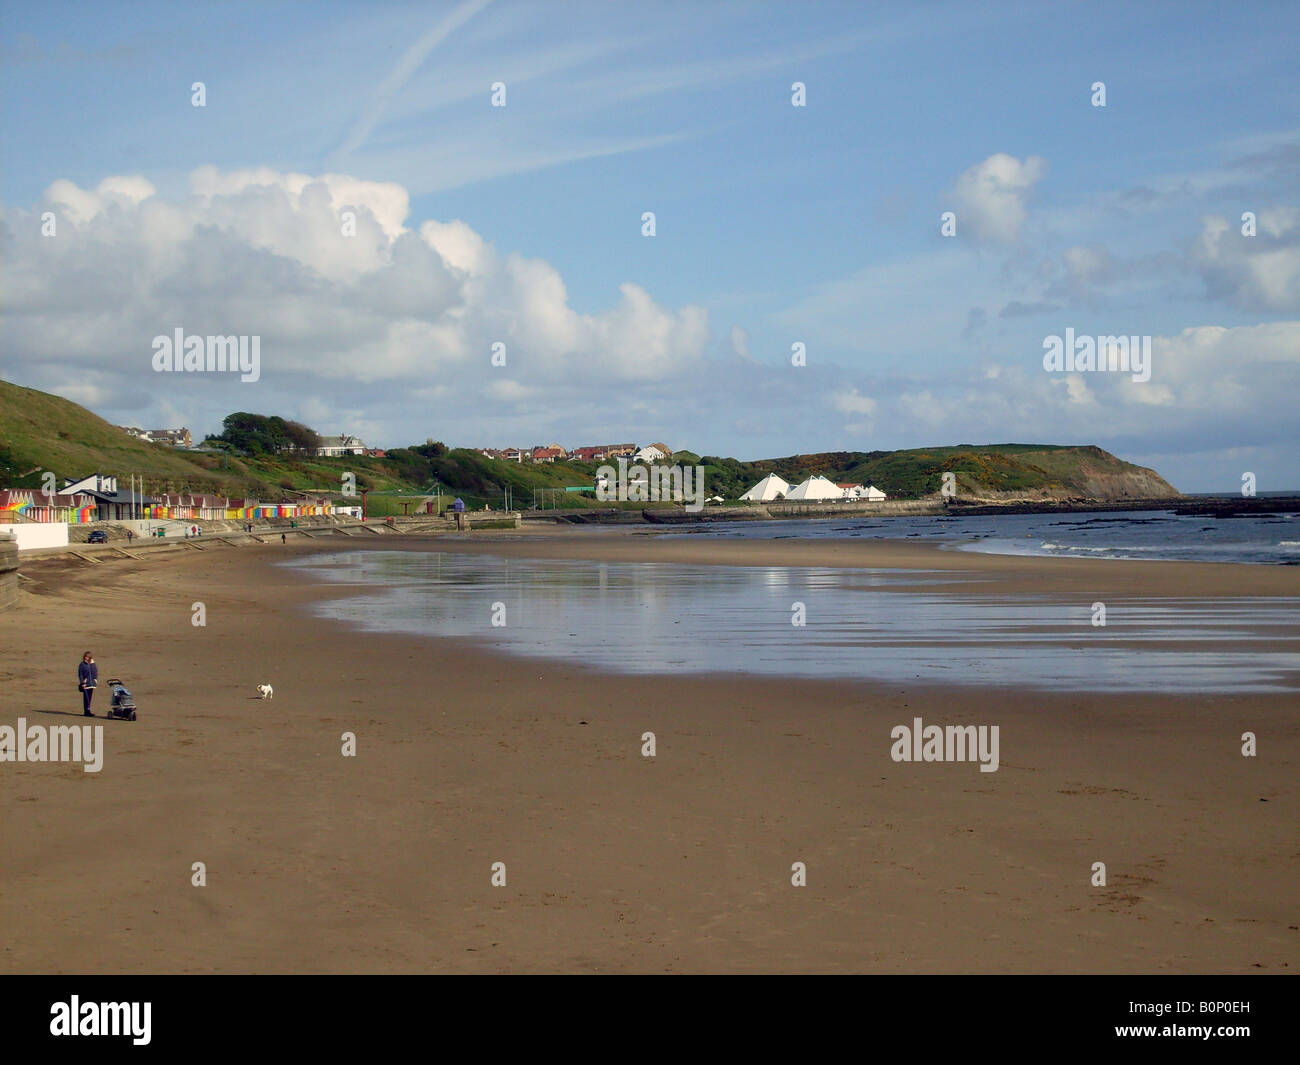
(98,497)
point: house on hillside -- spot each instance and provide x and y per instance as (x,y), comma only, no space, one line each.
(619,451)
(652,453)
(174,437)
(332,447)
(588,454)
(512,454)
(547,454)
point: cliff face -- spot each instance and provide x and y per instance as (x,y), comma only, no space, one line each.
(1097,474)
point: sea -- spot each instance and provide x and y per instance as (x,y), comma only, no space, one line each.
(1265,539)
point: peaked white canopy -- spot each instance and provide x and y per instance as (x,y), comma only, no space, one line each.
(816,488)
(769,488)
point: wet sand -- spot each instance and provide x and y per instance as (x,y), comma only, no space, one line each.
(616,862)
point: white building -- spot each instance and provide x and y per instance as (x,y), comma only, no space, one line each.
(769,488)
(869,493)
(95,482)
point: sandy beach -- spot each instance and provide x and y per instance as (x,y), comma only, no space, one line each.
(616,862)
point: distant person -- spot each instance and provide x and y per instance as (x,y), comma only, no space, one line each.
(129,536)
(282,540)
(87,678)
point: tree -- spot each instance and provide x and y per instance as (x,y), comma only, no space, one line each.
(301,438)
(256,434)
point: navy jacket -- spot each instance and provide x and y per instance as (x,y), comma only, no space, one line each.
(87,674)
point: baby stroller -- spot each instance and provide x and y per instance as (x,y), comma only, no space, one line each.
(123,705)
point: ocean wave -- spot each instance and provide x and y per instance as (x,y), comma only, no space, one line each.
(1096,550)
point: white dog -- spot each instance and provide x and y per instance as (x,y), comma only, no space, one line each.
(267,691)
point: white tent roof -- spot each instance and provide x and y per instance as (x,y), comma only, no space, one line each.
(816,488)
(770,487)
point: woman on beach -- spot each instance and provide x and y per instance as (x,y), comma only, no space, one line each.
(87,678)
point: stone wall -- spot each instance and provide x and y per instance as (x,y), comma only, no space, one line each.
(8,571)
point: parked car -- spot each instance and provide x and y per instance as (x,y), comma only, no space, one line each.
(97,537)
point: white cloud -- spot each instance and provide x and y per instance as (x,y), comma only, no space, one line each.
(388,333)
(1208,383)
(852,402)
(990,197)
(81,205)
(263,253)
(1260,272)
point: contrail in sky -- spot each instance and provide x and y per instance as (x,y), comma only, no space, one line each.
(406,67)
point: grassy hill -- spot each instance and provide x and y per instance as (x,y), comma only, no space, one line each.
(41,432)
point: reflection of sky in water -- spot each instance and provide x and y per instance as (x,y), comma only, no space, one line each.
(659,618)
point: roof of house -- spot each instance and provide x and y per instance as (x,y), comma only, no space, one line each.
(68,482)
(36,497)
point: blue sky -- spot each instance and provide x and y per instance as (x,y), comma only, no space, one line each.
(775,224)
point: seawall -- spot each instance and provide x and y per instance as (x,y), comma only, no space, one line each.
(8,571)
